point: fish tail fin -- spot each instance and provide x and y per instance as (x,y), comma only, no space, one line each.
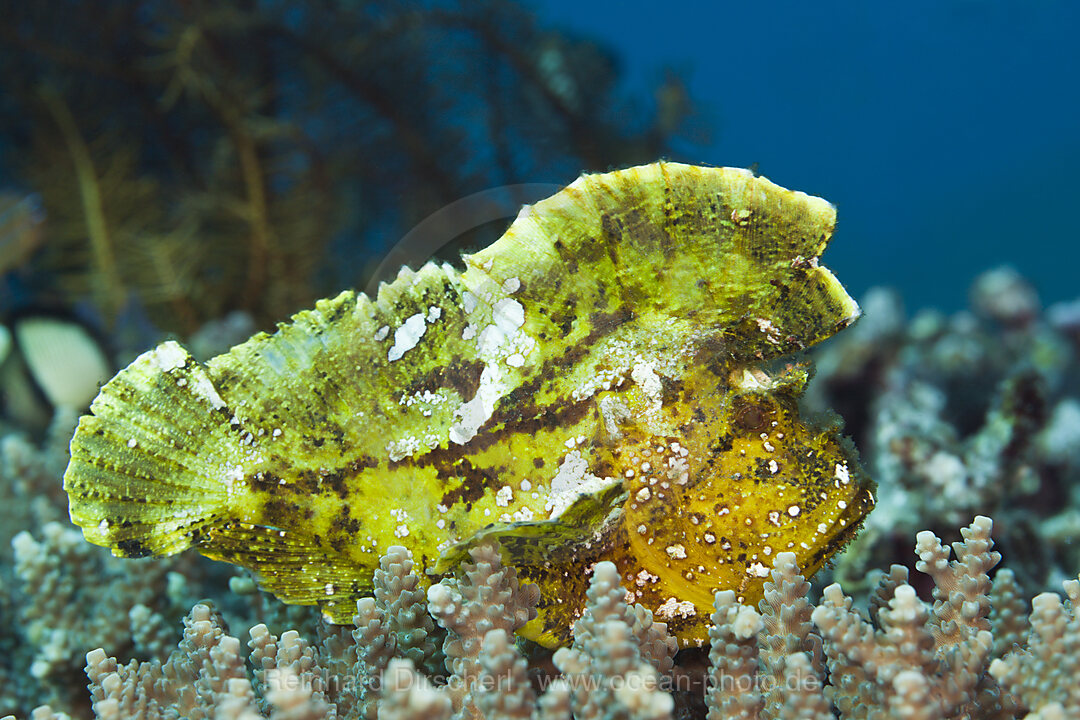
(145,476)
(161,464)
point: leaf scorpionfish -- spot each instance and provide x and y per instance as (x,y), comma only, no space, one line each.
(607,381)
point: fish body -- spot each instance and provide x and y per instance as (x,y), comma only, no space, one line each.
(598,384)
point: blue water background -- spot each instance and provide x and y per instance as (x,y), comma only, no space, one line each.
(947,133)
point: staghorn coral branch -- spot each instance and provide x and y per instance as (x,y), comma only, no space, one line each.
(896,668)
(785,613)
(732,690)
(961,587)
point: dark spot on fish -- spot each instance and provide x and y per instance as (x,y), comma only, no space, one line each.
(671,389)
(132,548)
(362,463)
(337,483)
(782,290)
(265,481)
(722,445)
(603,323)
(460,375)
(278,511)
(474,481)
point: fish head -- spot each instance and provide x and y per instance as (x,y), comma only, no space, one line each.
(749,476)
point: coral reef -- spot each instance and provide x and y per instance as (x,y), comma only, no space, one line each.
(192,162)
(31,493)
(978,381)
(788,660)
(974,413)
(60,597)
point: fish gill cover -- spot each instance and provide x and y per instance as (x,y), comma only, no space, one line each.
(601,383)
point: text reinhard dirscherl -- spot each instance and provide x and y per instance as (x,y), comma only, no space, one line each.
(793,681)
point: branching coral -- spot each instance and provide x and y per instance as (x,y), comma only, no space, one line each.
(941,615)
(487,597)
(1043,676)
(31,493)
(973,413)
(206,675)
(55,623)
(60,597)
(618,657)
(787,660)
(912,660)
(924,661)
(769,665)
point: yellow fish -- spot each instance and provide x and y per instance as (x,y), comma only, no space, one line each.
(601,383)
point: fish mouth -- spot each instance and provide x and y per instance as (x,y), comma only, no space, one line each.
(848,523)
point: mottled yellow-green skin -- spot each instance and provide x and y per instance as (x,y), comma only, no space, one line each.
(592,387)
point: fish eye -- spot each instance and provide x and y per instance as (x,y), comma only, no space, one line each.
(751,416)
